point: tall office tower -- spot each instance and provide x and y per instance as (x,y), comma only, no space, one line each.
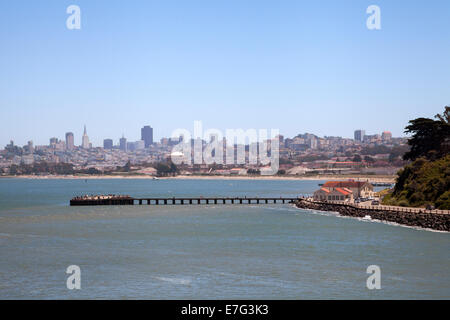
(85,140)
(359,135)
(386,136)
(131,146)
(69,141)
(53,141)
(30,146)
(313,143)
(107,144)
(147,135)
(139,145)
(123,143)
(164,141)
(280,139)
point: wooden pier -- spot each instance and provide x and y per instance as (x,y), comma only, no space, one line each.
(100,201)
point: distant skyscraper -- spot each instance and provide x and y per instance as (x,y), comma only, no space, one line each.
(359,135)
(69,141)
(131,146)
(139,145)
(107,144)
(147,135)
(53,141)
(30,146)
(386,136)
(164,141)
(85,140)
(280,139)
(123,143)
(312,143)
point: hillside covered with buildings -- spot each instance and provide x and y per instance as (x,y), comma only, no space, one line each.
(304,154)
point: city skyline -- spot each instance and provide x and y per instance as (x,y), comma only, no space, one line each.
(137,135)
(123,141)
(299,67)
(319,153)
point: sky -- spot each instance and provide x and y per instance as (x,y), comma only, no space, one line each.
(297,66)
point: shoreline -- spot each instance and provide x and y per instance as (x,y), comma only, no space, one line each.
(404,217)
(378,179)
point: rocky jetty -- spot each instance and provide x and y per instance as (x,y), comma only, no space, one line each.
(425,219)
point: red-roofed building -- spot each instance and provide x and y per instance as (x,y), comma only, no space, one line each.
(359,188)
(343,191)
(336,194)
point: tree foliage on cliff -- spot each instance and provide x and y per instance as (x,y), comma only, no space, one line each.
(423,182)
(427,179)
(430,138)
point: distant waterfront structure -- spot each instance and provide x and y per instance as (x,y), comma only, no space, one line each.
(280,138)
(123,144)
(10,147)
(85,140)
(147,135)
(386,136)
(131,146)
(53,141)
(30,146)
(312,142)
(69,141)
(139,145)
(136,145)
(344,190)
(359,135)
(107,144)
(56,144)
(165,141)
(372,138)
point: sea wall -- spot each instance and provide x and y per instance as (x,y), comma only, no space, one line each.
(429,220)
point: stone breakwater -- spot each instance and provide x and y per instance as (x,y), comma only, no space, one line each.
(428,220)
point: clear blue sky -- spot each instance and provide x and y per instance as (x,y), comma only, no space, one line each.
(299,66)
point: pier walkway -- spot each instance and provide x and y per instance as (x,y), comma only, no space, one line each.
(104,201)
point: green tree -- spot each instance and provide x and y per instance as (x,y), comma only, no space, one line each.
(397,152)
(127,166)
(426,180)
(430,138)
(93,171)
(173,167)
(423,182)
(14,169)
(166,168)
(253,172)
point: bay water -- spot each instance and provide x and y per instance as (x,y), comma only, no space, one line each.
(272,251)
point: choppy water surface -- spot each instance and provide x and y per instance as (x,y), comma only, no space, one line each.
(205,252)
